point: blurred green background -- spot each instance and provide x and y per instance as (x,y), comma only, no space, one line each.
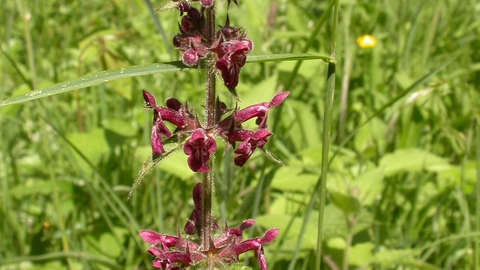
(403,189)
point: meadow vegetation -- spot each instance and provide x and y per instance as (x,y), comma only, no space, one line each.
(403,182)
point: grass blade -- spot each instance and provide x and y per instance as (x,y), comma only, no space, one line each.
(387,105)
(110,75)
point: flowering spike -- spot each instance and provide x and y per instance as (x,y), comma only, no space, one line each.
(229,46)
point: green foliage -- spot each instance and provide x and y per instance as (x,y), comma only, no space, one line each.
(403,171)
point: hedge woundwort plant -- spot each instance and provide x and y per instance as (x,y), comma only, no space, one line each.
(224,51)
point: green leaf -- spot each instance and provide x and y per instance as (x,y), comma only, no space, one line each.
(411,160)
(120,127)
(386,257)
(347,203)
(405,257)
(37,187)
(281,221)
(336,243)
(109,245)
(370,184)
(92,144)
(289,178)
(110,75)
(361,254)
(177,165)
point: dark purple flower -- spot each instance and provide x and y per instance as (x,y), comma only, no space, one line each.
(232,55)
(201,144)
(190,57)
(190,41)
(158,128)
(231,128)
(249,144)
(174,113)
(199,147)
(230,43)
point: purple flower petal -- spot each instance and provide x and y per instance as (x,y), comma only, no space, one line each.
(199,148)
(270,235)
(278,99)
(232,56)
(259,110)
(149,99)
(190,57)
(151,237)
(245,150)
(206,3)
(247,224)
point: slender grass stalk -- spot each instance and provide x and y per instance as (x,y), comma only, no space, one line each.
(477,196)
(159,27)
(387,105)
(291,266)
(17,69)
(347,70)
(461,196)
(56,198)
(313,37)
(60,255)
(311,40)
(28,39)
(327,124)
(208,177)
(117,206)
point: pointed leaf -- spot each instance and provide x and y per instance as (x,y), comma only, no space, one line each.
(110,75)
(148,166)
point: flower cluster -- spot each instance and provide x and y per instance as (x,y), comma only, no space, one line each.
(174,252)
(231,128)
(201,143)
(230,45)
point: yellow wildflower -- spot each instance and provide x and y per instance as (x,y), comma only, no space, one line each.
(367,41)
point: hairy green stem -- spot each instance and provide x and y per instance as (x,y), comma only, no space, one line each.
(210,94)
